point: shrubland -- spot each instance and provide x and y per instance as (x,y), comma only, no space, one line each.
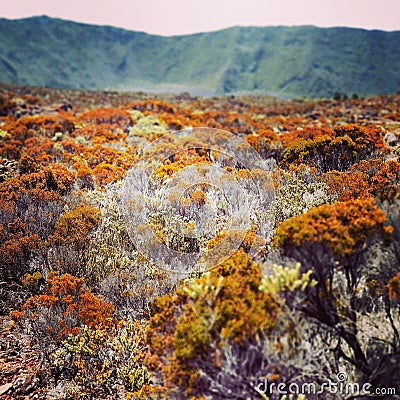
(95,254)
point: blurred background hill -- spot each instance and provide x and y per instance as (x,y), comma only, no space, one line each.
(281,61)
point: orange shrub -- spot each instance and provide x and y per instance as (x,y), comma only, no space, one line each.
(393,287)
(347,145)
(73,227)
(348,185)
(106,173)
(341,226)
(110,116)
(385,184)
(189,327)
(66,305)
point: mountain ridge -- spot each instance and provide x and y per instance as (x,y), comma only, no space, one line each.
(291,61)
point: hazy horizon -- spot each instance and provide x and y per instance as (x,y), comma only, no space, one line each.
(179,17)
(199,32)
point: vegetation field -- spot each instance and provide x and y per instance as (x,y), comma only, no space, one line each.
(180,247)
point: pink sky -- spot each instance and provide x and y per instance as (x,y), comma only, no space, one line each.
(176,17)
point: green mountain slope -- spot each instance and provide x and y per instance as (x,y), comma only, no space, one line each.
(294,61)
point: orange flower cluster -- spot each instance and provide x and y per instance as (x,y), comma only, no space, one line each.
(341,226)
(193,324)
(65,306)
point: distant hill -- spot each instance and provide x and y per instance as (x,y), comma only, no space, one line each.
(284,61)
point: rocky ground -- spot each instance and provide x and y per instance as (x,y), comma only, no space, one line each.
(19,365)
